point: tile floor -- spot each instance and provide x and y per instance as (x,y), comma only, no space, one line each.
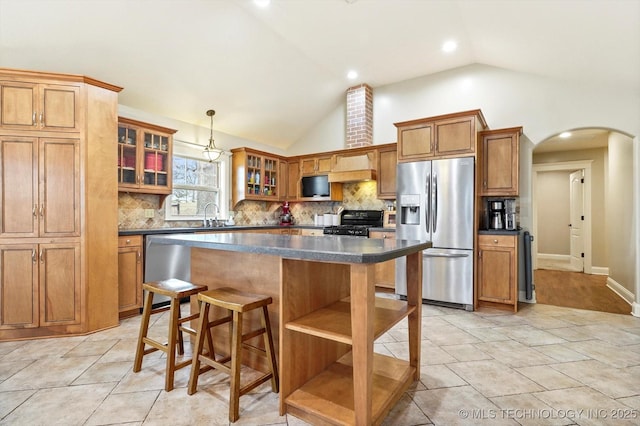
(545,365)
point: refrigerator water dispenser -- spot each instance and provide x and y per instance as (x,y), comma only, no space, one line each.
(410,209)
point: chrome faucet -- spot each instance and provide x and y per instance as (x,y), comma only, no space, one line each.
(215,217)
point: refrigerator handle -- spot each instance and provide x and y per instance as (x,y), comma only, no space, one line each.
(434,202)
(427,206)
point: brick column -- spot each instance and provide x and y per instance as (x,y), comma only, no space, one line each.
(359,116)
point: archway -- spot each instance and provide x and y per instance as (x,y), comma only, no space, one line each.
(606,157)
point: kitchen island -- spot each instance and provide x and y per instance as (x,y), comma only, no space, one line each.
(325,316)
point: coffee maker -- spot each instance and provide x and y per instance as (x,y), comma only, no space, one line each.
(496,214)
(510,214)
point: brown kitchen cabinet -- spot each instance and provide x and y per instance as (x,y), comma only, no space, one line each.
(28,105)
(385,272)
(41,187)
(256,176)
(315,165)
(144,157)
(293,181)
(445,136)
(387,165)
(40,285)
(130,272)
(58,204)
(499,161)
(497,283)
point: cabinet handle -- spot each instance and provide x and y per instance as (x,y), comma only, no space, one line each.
(139,256)
(33,255)
(42,210)
(128,242)
(41,256)
(33,118)
(42,119)
(495,241)
(35,209)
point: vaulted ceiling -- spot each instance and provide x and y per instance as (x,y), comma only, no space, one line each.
(272,73)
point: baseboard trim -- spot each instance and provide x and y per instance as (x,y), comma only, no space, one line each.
(599,270)
(556,257)
(618,289)
(635,309)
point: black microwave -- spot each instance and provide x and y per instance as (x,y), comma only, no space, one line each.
(315,186)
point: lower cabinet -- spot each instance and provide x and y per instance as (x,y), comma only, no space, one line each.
(385,272)
(498,271)
(130,270)
(40,285)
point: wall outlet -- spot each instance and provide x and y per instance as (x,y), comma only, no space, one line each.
(149,213)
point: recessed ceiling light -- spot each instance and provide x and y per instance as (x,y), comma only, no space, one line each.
(449,46)
(565,135)
(262,3)
(352,75)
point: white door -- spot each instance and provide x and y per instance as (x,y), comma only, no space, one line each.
(576,216)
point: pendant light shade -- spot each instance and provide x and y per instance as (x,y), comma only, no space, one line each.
(211,153)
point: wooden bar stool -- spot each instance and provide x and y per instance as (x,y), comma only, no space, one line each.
(176,290)
(237,302)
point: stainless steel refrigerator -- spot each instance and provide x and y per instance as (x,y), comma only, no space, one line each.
(435,202)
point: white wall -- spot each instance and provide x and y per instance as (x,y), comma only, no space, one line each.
(552,204)
(622,241)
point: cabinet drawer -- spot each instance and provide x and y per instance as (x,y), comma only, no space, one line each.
(497,240)
(130,241)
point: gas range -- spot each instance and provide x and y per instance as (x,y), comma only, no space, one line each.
(356,223)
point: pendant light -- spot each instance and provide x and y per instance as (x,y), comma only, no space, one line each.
(211,153)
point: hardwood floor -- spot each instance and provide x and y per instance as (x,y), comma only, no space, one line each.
(577,290)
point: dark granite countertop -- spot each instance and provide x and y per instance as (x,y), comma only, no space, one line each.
(498,232)
(155,231)
(321,248)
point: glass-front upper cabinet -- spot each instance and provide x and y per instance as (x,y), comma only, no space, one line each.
(144,157)
(256,176)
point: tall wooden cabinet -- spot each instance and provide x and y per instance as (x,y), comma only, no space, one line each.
(387,164)
(58,204)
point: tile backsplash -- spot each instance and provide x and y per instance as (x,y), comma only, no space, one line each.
(356,196)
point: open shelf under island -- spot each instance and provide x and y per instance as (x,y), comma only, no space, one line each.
(325,316)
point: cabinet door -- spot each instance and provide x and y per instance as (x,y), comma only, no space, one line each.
(387,164)
(455,136)
(497,270)
(293,180)
(18,105)
(385,272)
(59,108)
(308,166)
(500,164)
(19,203)
(415,142)
(128,173)
(129,274)
(59,271)
(18,286)
(59,209)
(155,162)
(323,164)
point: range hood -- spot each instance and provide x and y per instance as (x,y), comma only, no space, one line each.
(353,168)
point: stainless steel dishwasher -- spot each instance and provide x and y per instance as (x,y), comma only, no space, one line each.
(162,261)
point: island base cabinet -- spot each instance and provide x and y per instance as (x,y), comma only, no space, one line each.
(329,321)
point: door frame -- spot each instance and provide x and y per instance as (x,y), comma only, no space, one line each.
(564,166)
(575,259)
